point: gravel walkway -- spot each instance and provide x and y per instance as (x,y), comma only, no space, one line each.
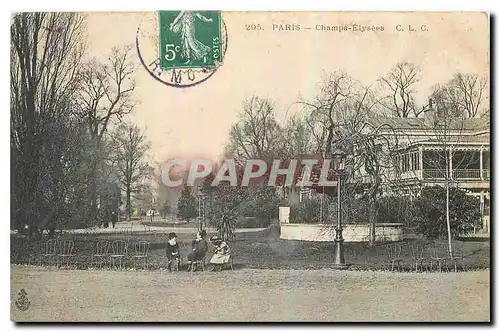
(250,295)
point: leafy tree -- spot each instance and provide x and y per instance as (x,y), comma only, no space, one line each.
(262,203)
(165,209)
(430,214)
(129,155)
(225,204)
(46,55)
(186,206)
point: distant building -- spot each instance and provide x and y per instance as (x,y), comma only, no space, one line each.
(431,153)
(428,153)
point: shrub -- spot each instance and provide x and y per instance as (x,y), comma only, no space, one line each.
(263,207)
(430,213)
(252,222)
(395,209)
(307,212)
(186,206)
(354,211)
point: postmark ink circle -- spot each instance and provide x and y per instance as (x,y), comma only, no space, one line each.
(164,42)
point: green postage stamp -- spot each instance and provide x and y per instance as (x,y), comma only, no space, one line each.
(189,39)
(182,48)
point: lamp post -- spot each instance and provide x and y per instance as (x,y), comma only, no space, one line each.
(201,208)
(339,157)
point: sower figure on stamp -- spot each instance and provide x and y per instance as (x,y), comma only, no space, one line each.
(222,253)
(200,248)
(191,48)
(172,251)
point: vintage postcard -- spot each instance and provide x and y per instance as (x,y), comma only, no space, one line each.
(212,166)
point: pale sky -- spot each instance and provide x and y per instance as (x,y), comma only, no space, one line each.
(195,121)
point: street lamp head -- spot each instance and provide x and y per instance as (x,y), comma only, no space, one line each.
(339,157)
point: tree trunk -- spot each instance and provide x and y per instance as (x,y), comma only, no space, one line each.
(448,176)
(450,249)
(373,220)
(93,196)
(129,208)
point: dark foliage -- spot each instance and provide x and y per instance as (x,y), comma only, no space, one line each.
(186,206)
(430,213)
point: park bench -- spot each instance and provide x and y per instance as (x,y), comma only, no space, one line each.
(141,253)
(102,252)
(393,253)
(438,257)
(457,259)
(65,251)
(49,252)
(118,252)
(417,256)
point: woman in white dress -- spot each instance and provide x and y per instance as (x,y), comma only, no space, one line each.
(183,24)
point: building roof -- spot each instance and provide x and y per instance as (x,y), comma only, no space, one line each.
(482,138)
(468,124)
(473,139)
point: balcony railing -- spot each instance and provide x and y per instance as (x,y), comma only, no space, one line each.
(466,173)
(472,174)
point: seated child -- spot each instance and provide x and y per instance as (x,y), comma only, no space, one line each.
(222,253)
(172,250)
(199,246)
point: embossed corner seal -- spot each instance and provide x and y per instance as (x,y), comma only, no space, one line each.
(22,303)
(182,48)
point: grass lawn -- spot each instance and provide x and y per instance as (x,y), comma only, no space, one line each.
(264,250)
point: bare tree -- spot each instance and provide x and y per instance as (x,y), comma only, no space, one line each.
(370,165)
(46,54)
(401,82)
(130,154)
(295,137)
(105,94)
(464,95)
(335,91)
(341,116)
(256,133)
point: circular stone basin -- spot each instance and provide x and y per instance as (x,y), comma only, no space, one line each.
(350,232)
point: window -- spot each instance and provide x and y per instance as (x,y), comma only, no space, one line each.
(406,162)
(415,163)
